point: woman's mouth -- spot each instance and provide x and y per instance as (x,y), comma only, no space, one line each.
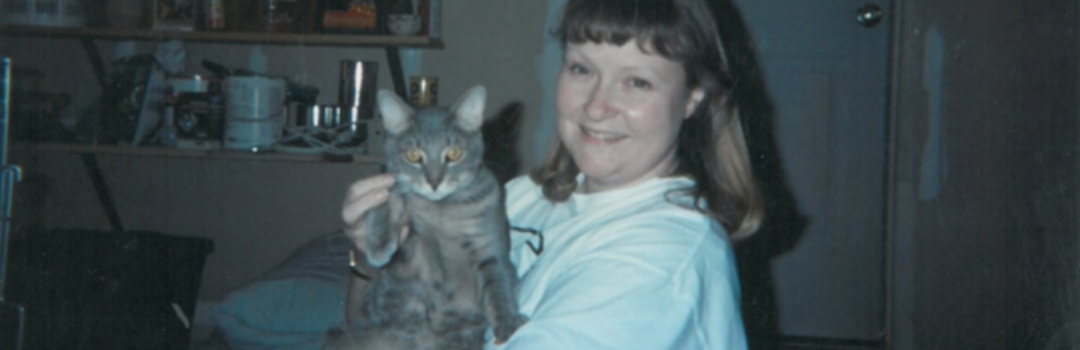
(602,137)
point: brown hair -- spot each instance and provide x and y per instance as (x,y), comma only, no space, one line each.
(712,149)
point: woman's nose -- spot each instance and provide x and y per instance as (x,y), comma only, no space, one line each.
(599,104)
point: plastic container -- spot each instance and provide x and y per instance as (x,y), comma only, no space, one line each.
(254,112)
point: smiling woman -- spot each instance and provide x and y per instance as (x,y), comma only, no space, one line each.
(620,111)
(622,238)
(658,68)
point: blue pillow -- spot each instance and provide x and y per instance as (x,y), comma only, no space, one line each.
(292,305)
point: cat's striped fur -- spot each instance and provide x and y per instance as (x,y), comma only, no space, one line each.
(449,278)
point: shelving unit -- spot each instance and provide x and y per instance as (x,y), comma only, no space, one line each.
(390,43)
(88,37)
(215,154)
(228,37)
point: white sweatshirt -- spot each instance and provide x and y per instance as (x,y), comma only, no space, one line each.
(622,269)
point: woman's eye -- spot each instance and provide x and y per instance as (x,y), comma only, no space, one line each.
(640,83)
(577,69)
(454,154)
(413,155)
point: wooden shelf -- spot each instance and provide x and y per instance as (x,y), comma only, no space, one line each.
(215,154)
(227,37)
(389,42)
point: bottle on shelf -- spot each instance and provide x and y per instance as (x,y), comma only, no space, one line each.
(213,15)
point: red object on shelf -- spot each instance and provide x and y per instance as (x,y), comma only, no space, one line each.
(351,16)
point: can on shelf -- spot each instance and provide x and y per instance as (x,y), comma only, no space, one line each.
(423,91)
(214,15)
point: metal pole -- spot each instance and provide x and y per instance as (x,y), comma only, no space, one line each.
(9,174)
(12,316)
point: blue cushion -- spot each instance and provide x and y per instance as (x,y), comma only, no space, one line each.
(292,305)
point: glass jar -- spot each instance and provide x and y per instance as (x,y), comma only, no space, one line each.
(282,16)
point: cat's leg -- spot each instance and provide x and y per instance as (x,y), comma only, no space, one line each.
(354,299)
(498,281)
(384,225)
(460,330)
(377,339)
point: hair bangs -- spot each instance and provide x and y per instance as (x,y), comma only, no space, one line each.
(655,25)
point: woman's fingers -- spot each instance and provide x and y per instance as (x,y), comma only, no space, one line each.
(360,198)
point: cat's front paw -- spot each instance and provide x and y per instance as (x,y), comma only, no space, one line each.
(380,246)
(506,326)
(379,252)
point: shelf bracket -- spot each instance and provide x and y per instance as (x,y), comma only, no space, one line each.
(102,189)
(393,57)
(96,62)
(89,159)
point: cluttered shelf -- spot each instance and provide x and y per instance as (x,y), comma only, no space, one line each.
(226,37)
(216,154)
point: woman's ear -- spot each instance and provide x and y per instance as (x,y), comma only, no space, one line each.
(696,95)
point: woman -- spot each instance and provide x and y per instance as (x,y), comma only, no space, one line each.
(623,236)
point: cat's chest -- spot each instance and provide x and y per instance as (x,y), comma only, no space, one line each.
(451,218)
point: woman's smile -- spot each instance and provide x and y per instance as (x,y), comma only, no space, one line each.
(620,109)
(600,137)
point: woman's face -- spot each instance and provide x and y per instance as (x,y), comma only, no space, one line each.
(619,112)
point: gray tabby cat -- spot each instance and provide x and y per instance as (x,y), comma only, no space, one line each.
(443,283)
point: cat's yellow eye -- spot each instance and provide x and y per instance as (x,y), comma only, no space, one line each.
(414,155)
(454,154)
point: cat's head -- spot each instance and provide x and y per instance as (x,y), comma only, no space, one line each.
(434,151)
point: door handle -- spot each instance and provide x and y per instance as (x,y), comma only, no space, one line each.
(869,15)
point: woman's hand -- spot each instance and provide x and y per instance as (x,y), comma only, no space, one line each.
(363,195)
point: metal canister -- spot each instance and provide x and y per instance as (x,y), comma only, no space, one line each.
(423,91)
(356,89)
(320,116)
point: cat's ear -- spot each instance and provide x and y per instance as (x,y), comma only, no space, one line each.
(395,112)
(470,108)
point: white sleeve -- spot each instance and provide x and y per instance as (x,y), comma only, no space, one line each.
(636,294)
